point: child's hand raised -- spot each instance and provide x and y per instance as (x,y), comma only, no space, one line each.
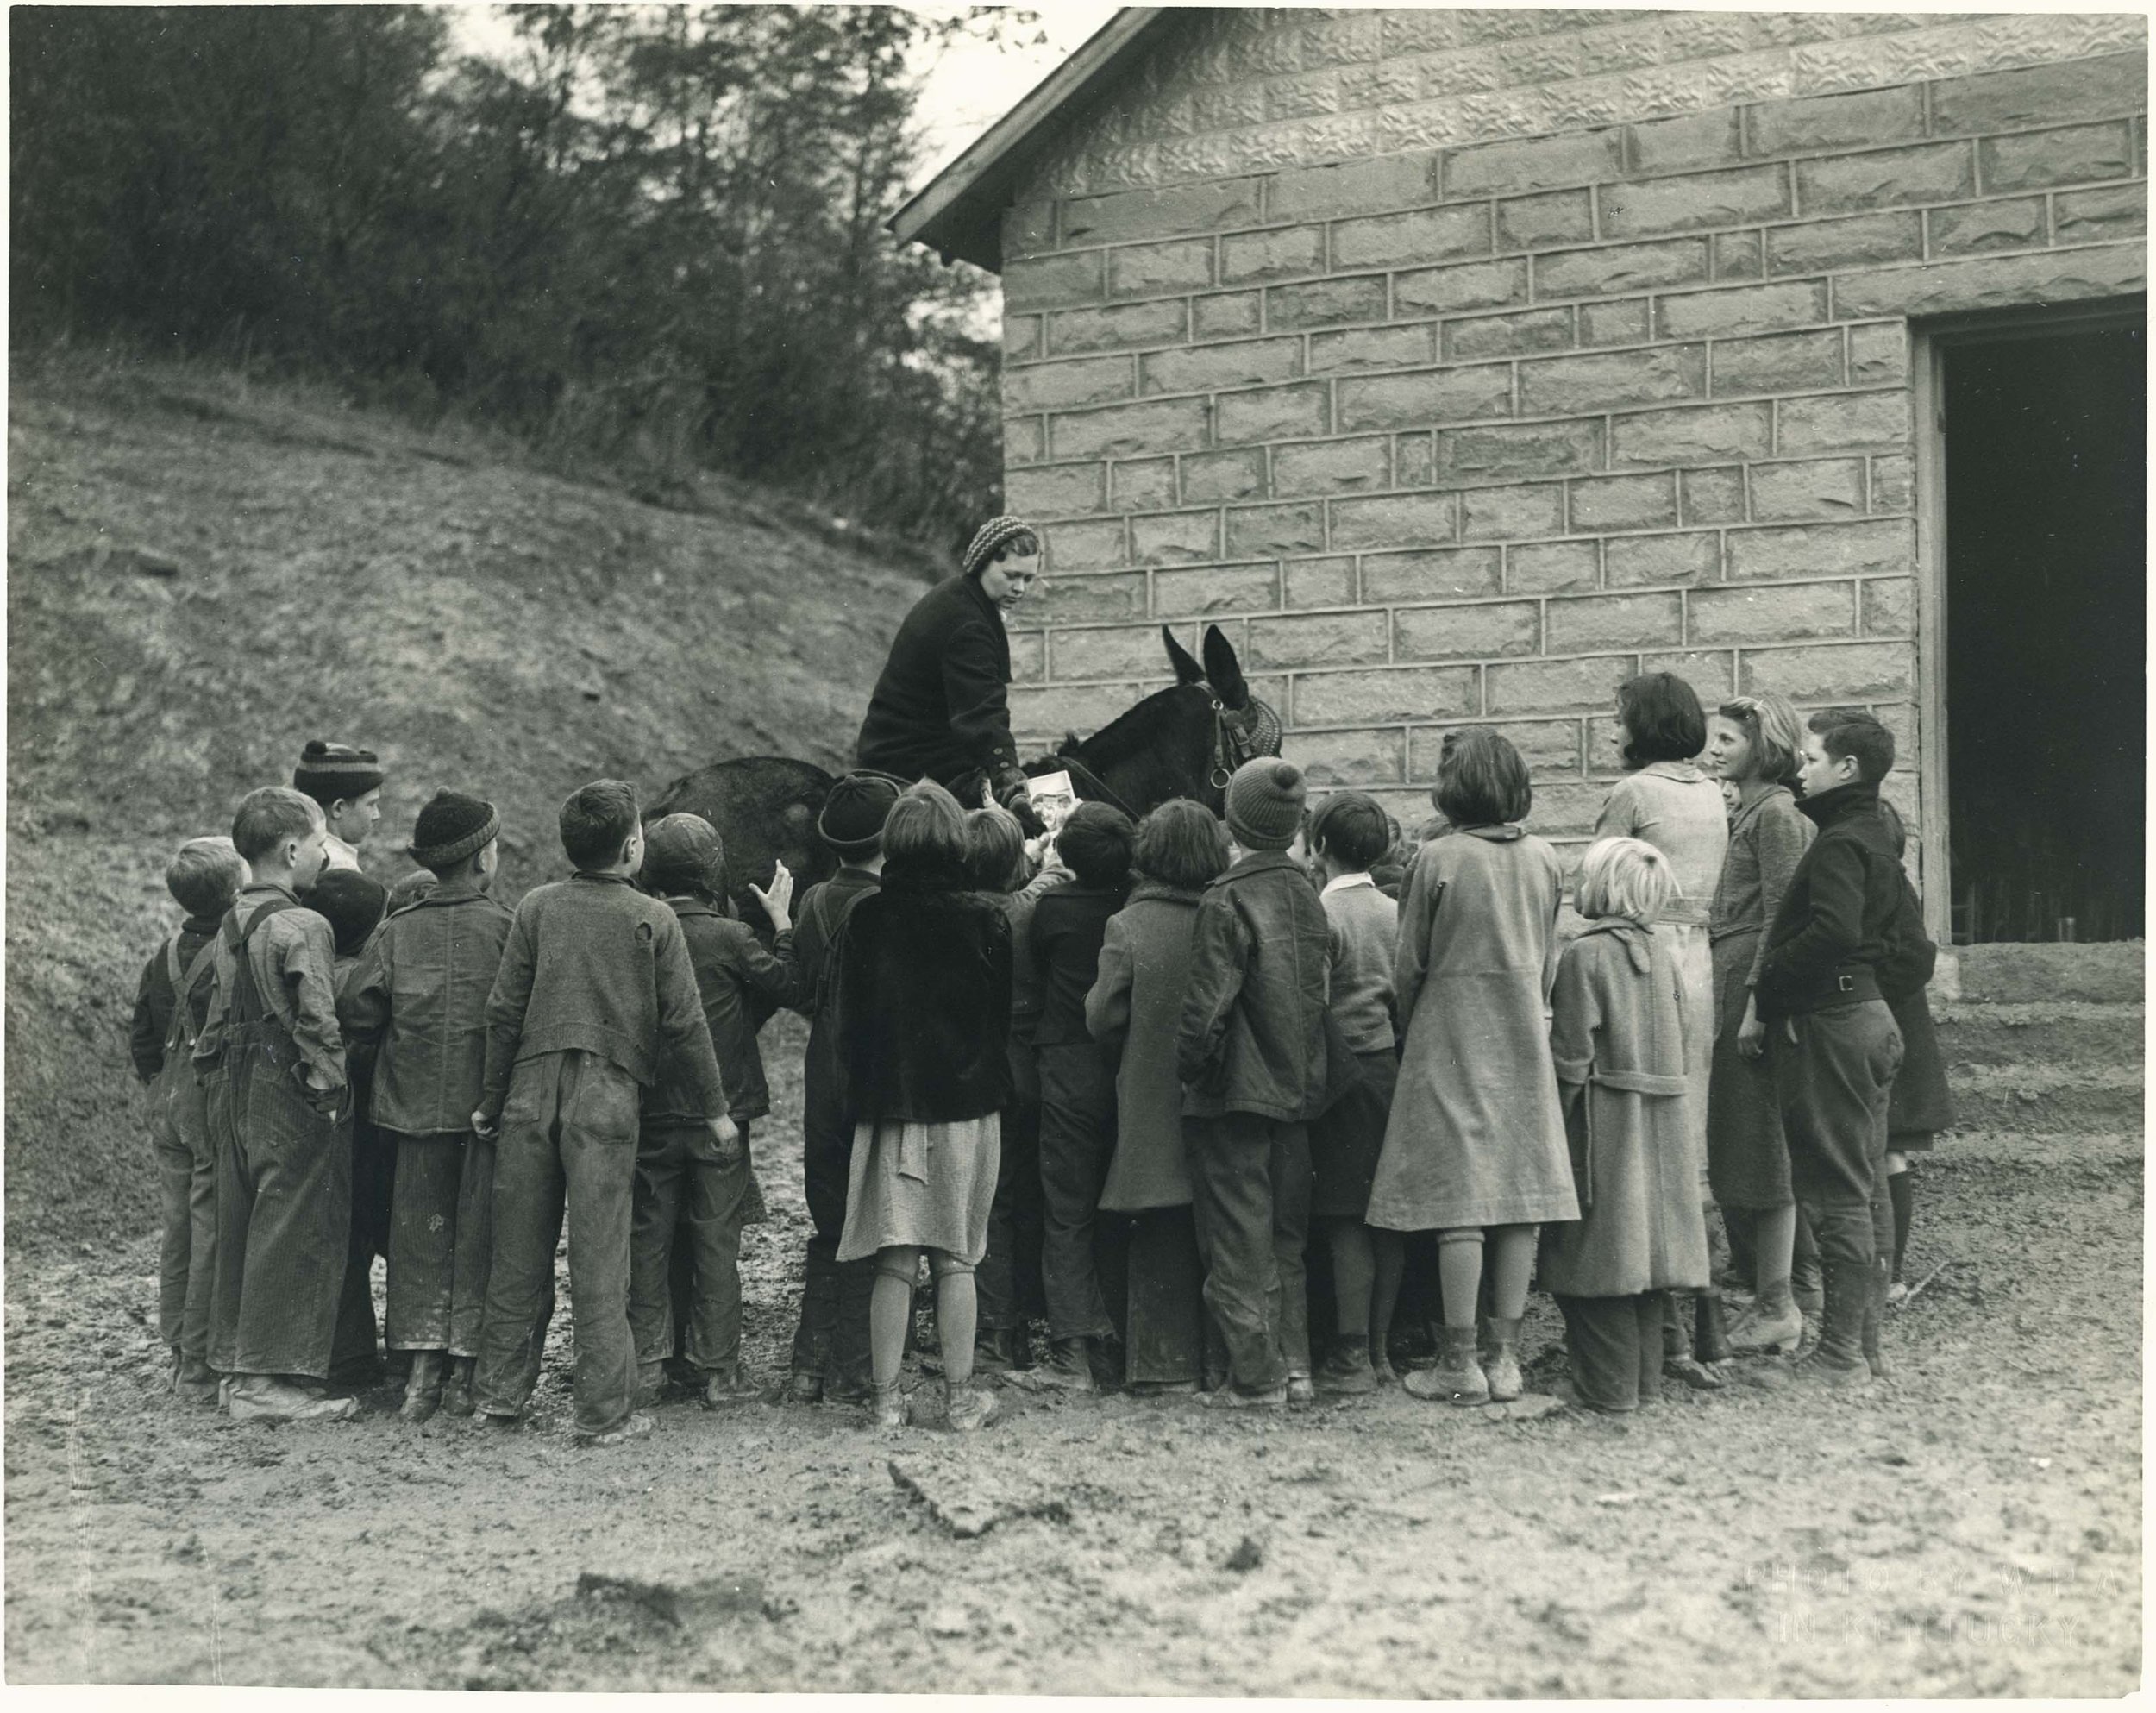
(777,902)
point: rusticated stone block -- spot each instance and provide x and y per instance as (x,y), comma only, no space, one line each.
(1550,748)
(1271,413)
(1206,369)
(1893,483)
(1317,582)
(1432,574)
(1887,177)
(1088,597)
(1333,467)
(1537,223)
(1142,485)
(1622,323)
(1974,228)
(1414,461)
(1126,430)
(1468,285)
(1629,561)
(1888,606)
(1773,612)
(1587,686)
(1551,568)
(1298,640)
(1021,336)
(1613,380)
(1321,192)
(1484,631)
(1360,756)
(1118,327)
(1739,255)
(1741,309)
(1563,807)
(1712,434)
(1834,421)
(1025,440)
(1360,350)
(2057,94)
(1422,235)
(1028,229)
(1048,711)
(1240,474)
(1056,387)
(1325,303)
(1715,496)
(1291,252)
(1872,547)
(1678,145)
(1826,487)
(1094,545)
(1508,335)
(1273,532)
(1819,244)
(1414,397)
(1166,213)
(1850,671)
(1538,164)
(1824,121)
(1521,449)
(1643,208)
(1225,314)
(1128,651)
(1394,520)
(1029,656)
(1637,621)
(1057,490)
(1994,282)
(1879,354)
(1781,362)
(1713,677)
(2101,217)
(1624,503)
(1154,270)
(1176,538)
(1408,692)
(1209,591)
(2037,160)
(1615,269)
(1052,282)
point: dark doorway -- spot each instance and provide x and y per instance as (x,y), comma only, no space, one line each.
(2045,605)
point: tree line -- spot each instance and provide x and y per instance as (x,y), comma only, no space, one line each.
(650,233)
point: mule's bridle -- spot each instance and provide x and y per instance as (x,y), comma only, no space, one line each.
(1236,737)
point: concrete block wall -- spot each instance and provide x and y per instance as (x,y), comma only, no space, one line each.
(1469,434)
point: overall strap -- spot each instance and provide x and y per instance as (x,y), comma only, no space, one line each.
(181,1031)
(248,1005)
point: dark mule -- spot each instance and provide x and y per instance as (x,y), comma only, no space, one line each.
(765,808)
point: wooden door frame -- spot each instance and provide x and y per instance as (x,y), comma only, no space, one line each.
(1929,342)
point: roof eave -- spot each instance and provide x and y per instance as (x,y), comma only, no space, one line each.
(959,211)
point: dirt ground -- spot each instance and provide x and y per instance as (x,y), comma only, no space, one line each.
(1973,1529)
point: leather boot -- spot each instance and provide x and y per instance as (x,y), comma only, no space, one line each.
(1069,1367)
(1457,1377)
(846,1374)
(887,1405)
(1710,1334)
(456,1391)
(423,1390)
(1346,1371)
(813,1336)
(1771,1326)
(1838,1359)
(1501,1359)
(197,1381)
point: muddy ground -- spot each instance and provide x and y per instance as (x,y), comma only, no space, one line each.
(1975,1529)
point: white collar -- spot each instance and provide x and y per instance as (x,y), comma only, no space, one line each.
(1342,883)
(341,855)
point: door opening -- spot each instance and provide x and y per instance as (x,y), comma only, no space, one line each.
(2045,605)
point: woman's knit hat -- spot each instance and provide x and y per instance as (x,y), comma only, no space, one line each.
(684,853)
(327,772)
(450,828)
(853,815)
(991,535)
(1264,806)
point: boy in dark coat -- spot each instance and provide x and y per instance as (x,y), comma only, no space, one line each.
(689,1193)
(595,990)
(1832,1042)
(1252,1055)
(204,878)
(416,1009)
(280,1112)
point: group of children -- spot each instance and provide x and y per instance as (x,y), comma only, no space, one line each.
(1178,1089)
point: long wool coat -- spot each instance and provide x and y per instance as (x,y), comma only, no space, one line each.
(1475,1137)
(1135,1005)
(1618,1029)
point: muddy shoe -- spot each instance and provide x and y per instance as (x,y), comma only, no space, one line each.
(1691,1371)
(728,1386)
(1381,1370)
(259,1397)
(633,1426)
(1457,1377)
(1771,1326)
(456,1391)
(1500,1360)
(651,1380)
(197,1382)
(1069,1367)
(500,1424)
(423,1390)
(1346,1372)
(887,1408)
(804,1385)
(1233,1398)
(1897,1294)
(970,1407)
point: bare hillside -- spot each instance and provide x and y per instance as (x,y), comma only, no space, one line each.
(204,573)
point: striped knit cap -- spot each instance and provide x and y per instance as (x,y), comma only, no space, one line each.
(327,772)
(991,535)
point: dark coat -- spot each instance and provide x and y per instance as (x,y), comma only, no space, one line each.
(1830,933)
(740,985)
(1921,1104)
(1252,1037)
(1135,1004)
(939,708)
(923,1002)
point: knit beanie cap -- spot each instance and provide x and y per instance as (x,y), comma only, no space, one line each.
(853,815)
(1265,804)
(351,902)
(328,771)
(991,535)
(684,853)
(450,828)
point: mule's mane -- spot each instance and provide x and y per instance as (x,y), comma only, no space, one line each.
(1128,734)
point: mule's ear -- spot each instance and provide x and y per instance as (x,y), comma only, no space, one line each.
(1187,671)
(1223,671)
